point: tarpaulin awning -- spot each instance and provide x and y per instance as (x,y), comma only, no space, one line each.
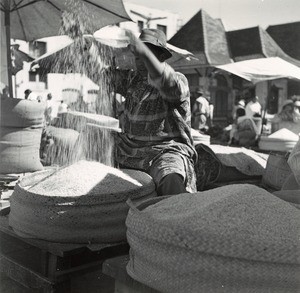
(263,69)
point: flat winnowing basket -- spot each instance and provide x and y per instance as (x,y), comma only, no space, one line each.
(230,239)
(277,170)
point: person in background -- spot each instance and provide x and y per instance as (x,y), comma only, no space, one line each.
(4,94)
(253,108)
(156,135)
(244,131)
(288,114)
(239,105)
(27,93)
(62,108)
(211,111)
(49,109)
(201,111)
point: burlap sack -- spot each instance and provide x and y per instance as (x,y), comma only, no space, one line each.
(294,161)
(21,123)
(237,238)
(277,170)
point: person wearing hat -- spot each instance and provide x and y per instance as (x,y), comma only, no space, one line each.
(156,135)
(287,116)
(201,111)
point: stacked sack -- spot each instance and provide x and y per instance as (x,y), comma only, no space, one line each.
(236,238)
(20,137)
(290,189)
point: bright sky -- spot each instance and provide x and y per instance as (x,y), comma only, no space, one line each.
(235,14)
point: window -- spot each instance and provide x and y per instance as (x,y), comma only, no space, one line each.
(162,28)
(140,25)
(32,76)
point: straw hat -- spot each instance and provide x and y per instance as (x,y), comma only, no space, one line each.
(157,38)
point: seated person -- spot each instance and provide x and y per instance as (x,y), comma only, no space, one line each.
(287,118)
(244,131)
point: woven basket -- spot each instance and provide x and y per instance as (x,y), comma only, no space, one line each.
(95,218)
(277,170)
(221,240)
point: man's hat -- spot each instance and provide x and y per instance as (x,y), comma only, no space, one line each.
(157,38)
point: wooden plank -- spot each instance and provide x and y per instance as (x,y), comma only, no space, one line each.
(23,275)
(116,268)
(58,249)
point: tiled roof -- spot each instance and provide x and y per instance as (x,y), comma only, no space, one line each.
(253,43)
(205,37)
(290,44)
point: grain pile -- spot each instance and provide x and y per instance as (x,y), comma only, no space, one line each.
(85,178)
(82,203)
(237,238)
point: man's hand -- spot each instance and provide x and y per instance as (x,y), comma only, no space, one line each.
(135,45)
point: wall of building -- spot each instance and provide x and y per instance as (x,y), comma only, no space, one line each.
(170,20)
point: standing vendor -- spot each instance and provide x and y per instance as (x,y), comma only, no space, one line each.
(201,111)
(156,134)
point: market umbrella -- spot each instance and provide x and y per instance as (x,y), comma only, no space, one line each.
(33,19)
(263,69)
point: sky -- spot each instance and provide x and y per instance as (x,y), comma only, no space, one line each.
(235,14)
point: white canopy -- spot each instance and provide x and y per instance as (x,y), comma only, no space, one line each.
(262,69)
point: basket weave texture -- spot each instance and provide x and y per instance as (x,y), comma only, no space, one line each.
(76,215)
(277,171)
(237,238)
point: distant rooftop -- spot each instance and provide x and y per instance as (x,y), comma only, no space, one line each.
(290,44)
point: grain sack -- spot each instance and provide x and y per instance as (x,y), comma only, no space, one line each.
(81,203)
(21,113)
(294,161)
(21,124)
(277,171)
(217,163)
(236,238)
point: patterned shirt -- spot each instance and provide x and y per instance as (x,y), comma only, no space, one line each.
(156,118)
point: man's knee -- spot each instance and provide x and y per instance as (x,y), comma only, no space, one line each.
(171,184)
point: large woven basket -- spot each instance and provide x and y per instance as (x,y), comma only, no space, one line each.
(237,238)
(95,218)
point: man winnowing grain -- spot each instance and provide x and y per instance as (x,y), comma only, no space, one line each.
(156,120)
